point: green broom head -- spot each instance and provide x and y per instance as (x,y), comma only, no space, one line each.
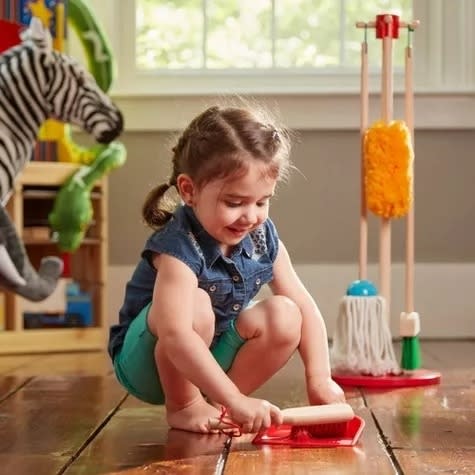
(411,353)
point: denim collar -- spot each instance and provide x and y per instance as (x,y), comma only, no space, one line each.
(209,245)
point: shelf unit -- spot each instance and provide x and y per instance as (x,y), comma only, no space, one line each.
(31,201)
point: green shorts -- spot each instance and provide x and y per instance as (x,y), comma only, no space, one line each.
(135,366)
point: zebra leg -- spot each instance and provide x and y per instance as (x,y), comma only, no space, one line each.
(16,272)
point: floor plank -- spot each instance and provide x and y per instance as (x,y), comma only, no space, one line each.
(26,464)
(58,412)
(49,419)
(137,436)
(455,461)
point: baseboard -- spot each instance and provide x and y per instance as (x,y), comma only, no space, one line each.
(444,295)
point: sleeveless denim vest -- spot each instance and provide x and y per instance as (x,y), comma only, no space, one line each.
(231,282)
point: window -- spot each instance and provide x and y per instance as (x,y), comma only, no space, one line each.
(318,88)
(280,46)
(216,35)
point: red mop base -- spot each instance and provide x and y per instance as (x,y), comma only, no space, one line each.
(418,377)
(282,436)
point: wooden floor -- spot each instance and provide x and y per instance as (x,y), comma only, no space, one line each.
(67,414)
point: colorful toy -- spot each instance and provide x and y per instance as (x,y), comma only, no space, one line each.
(19,126)
(362,352)
(72,211)
(100,63)
(67,306)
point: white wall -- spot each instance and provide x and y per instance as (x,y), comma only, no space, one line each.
(442,294)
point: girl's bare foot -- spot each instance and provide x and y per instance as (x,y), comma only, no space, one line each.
(194,417)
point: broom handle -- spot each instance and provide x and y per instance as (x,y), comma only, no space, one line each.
(363,268)
(385,228)
(409,113)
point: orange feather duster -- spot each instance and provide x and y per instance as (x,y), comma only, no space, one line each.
(388,161)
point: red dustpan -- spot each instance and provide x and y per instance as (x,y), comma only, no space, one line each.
(341,434)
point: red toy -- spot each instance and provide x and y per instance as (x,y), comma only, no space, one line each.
(10,34)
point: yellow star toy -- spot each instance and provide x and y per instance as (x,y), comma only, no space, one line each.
(41,11)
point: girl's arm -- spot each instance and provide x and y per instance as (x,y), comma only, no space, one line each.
(171,319)
(313,346)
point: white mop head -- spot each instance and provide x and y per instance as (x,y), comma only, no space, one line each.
(362,341)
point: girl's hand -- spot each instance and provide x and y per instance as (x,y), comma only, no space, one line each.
(324,391)
(253,414)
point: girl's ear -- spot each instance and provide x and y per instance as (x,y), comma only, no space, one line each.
(186,188)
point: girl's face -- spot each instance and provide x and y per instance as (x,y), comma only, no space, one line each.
(231,207)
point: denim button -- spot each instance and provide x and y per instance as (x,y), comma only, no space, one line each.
(258,282)
(236,307)
(212,288)
(236,278)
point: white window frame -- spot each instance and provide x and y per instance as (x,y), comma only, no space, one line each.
(444,78)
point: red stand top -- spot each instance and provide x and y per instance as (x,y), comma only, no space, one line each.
(419,377)
(387,29)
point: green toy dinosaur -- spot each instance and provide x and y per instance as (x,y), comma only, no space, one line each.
(72,211)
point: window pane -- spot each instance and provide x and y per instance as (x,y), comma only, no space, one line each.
(239,34)
(307,33)
(169,34)
(362,10)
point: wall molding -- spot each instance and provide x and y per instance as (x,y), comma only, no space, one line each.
(437,110)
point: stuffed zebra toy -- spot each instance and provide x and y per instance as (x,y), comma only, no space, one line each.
(37,83)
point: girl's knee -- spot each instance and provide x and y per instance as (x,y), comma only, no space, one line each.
(204,319)
(284,320)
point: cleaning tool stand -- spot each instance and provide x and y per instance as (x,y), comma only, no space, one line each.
(362,352)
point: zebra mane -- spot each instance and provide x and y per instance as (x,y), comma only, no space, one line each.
(37,34)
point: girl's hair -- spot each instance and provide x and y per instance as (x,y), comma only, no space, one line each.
(218,143)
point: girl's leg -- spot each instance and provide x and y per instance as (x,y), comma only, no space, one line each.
(272,328)
(186,407)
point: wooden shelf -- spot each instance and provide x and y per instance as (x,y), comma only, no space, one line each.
(52,340)
(46,173)
(31,202)
(50,242)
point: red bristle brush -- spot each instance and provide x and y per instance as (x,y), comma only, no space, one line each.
(328,425)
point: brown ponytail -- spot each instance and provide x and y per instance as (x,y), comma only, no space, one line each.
(153,214)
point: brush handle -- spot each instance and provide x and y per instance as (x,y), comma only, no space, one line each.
(324,414)
(306,415)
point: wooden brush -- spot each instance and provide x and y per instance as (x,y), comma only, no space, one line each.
(328,420)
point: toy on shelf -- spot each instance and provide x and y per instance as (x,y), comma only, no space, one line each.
(66,307)
(72,211)
(19,127)
(100,62)
(362,353)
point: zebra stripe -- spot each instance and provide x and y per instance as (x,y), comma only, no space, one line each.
(37,83)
